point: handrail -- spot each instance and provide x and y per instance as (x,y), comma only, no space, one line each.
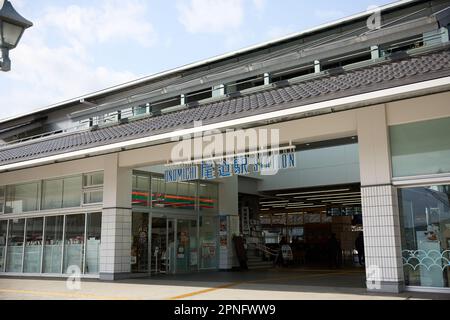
(264,249)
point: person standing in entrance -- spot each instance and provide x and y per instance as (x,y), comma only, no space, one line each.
(333,247)
(359,245)
(279,261)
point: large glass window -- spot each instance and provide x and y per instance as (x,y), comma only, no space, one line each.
(208,197)
(177,195)
(53,242)
(22,198)
(93,179)
(420,148)
(94,230)
(15,245)
(33,246)
(3,234)
(52,194)
(74,242)
(72,192)
(425,218)
(61,193)
(209,246)
(93,188)
(93,196)
(141,186)
(158,192)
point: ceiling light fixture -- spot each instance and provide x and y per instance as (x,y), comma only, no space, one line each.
(311,192)
(329,195)
(334,198)
(277,201)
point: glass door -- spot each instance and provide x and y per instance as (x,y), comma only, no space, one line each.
(174,247)
(159,256)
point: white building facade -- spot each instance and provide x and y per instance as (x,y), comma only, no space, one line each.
(83,185)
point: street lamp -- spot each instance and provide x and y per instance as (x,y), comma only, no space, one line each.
(12,26)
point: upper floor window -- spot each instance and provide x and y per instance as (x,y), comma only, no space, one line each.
(2,199)
(93,188)
(22,197)
(61,193)
(199,95)
(244,84)
(93,179)
(420,148)
(67,192)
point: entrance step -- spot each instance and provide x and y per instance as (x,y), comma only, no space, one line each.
(257,262)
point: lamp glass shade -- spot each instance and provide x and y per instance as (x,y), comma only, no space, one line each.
(10,34)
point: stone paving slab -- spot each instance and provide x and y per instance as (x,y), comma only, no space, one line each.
(260,285)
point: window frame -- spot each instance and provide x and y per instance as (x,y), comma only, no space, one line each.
(2,199)
(62,273)
(38,199)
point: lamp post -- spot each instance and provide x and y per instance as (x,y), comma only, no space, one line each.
(12,27)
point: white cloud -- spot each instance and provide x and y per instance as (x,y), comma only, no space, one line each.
(211,16)
(44,75)
(113,20)
(278,32)
(328,15)
(260,5)
(49,70)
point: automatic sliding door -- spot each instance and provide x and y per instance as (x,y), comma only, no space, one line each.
(174,245)
(159,254)
(187,247)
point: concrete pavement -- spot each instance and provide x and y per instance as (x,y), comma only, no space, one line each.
(275,284)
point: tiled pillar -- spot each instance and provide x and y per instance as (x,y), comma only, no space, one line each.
(115,253)
(116,244)
(382,239)
(379,203)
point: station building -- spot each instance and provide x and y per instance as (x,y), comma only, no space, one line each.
(362,116)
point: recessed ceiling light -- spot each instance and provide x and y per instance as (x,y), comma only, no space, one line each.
(306,207)
(311,192)
(329,195)
(334,197)
(275,201)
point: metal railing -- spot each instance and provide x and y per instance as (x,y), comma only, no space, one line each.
(131,112)
(264,249)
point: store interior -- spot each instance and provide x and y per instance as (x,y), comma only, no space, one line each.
(319,225)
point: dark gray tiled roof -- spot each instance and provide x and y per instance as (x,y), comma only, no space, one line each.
(385,75)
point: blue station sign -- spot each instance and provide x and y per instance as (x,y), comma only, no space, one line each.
(241,165)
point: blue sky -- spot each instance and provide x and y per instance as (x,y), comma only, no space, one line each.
(80,46)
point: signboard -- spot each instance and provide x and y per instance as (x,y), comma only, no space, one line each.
(241,165)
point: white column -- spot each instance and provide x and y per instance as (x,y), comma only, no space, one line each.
(183,99)
(317,66)
(115,253)
(381,221)
(375,52)
(218,90)
(267,78)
